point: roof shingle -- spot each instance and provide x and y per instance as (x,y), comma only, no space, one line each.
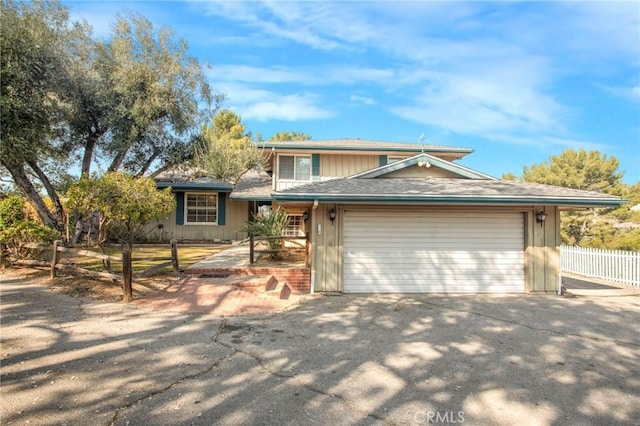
(439,190)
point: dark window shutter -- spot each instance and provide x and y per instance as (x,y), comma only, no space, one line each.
(222,208)
(383,160)
(315,166)
(179,208)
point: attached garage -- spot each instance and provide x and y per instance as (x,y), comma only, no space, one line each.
(427,251)
(425,225)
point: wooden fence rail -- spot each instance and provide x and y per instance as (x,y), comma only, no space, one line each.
(254,240)
(611,265)
(127,269)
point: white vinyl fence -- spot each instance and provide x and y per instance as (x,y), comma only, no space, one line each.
(612,265)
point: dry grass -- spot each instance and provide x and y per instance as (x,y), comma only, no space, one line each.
(75,284)
(142,257)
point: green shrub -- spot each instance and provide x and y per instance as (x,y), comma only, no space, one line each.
(271,224)
(18,235)
(11,211)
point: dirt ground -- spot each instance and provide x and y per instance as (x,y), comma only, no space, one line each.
(93,288)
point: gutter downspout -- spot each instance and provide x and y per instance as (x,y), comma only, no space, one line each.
(559,244)
(314,221)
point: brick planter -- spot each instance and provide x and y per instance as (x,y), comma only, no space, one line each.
(299,279)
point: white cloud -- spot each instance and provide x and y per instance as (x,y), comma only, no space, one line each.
(474,68)
(605,29)
(286,108)
(478,103)
(264,105)
(361,100)
(249,74)
(276,74)
(631,93)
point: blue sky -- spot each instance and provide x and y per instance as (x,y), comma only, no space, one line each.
(516,81)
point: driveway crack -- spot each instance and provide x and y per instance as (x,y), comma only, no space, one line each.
(180,380)
(308,387)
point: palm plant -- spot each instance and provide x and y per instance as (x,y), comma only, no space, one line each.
(269,223)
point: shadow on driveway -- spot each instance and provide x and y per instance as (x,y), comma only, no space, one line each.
(388,359)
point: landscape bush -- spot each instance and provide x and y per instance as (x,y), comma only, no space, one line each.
(18,233)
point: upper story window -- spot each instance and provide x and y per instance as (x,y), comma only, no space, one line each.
(201,208)
(294,167)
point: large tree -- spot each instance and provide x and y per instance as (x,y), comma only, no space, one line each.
(591,171)
(126,103)
(225,150)
(156,87)
(32,56)
(290,136)
(587,170)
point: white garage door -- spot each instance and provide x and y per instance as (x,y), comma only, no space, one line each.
(433,251)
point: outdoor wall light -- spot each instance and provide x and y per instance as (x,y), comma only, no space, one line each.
(305,216)
(332,215)
(541,217)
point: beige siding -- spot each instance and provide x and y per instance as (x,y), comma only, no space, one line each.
(236,214)
(541,245)
(325,238)
(543,251)
(421,172)
(335,165)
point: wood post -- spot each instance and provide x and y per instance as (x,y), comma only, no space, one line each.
(251,249)
(127,274)
(174,257)
(55,258)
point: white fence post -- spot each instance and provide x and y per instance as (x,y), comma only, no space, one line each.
(611,265)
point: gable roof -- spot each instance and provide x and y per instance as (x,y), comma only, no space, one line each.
(422,160)
(363,145)
(445,191)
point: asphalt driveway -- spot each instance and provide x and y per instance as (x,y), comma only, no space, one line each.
(402,359)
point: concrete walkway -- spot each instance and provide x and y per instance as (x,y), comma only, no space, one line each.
(236,256)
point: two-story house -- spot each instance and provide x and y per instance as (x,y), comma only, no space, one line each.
(392,217)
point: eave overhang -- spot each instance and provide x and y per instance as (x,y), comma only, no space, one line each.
(448,199)
(383,148)
(242,197)
(179,186)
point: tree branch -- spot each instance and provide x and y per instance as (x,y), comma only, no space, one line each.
(51,191)
(148,163)
(22,181)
